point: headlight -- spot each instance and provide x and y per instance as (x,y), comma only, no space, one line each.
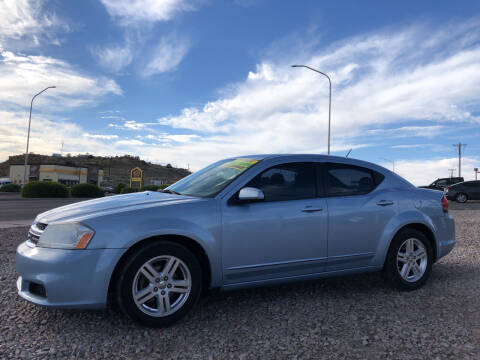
(66,236)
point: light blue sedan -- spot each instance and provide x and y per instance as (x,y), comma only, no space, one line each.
(239,222)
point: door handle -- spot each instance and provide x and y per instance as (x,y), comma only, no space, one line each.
(311,209)
(384,203)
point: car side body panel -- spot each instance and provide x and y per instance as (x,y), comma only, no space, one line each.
(356,224)
(122,221)
(393,227)
(198,221)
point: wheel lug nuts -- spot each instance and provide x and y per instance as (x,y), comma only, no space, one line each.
(157,280)
(169,285)
(165,278)
(155,289)
(163,292)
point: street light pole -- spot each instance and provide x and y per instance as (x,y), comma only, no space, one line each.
(28,135)
(329,98)
(393,163)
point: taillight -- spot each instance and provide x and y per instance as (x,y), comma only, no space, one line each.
(444,204)
(447,189)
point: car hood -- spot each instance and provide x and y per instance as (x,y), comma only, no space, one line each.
(111,204)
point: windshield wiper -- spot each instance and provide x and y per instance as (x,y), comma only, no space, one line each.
(168,191)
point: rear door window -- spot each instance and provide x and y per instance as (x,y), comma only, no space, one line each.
(348,180)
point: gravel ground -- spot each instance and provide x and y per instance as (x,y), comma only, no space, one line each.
(351,317)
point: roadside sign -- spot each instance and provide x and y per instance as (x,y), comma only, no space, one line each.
(136,177)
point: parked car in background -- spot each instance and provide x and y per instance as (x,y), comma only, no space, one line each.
(239,222)
(464,191)
(5,181)
(108,189)
(441,184)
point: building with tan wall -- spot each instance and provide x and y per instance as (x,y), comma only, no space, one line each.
(66,175)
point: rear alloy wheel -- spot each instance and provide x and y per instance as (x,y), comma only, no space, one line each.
(412,260)
(409,260)
(159,284)
(461,198)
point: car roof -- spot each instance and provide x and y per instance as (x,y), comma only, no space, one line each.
(286,156)
(316,157)
(326,158)
(469,182)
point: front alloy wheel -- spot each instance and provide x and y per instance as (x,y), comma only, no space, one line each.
(161,286)
(159,283)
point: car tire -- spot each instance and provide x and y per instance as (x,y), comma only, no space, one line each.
(159,284)
(400,265)
(461,198)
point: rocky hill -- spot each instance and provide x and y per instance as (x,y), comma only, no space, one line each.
(116,169)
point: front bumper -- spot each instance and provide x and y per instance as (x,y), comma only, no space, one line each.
(65,278)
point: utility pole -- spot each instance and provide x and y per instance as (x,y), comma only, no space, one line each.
(459,147)
(61,151)
(451,172)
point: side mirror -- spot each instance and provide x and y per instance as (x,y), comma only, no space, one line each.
(248,194)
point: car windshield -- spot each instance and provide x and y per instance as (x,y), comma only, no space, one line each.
(209,181)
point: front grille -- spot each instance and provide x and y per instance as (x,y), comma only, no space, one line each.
(35,231)
(33,238)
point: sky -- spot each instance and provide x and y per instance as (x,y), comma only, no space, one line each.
(189,82)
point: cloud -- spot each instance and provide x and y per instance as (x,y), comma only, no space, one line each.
(408,131)
(416,81)
(112,117)
(167,55)
(425,171)
(141,16)
(101,137)
(409,146)
(129,125)
(131,142)
(21,76)
(421,77)
(109,112)
(46,136)
(376,82)
(113,58)
(167,138)
(134,11)
(26,21)
(48,133)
